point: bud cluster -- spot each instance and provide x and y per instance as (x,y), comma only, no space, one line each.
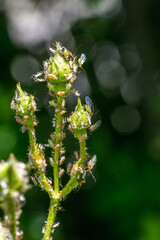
(59,72)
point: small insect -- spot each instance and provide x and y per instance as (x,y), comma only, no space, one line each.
(82,59)
(45,65)
(62,160)
(63,103)
(77,93)
(57,110)
(63,135)
(62,112)
(62,171)
(19,120)
(76,155)
(95,126)
(34,180)
(38,75)
(53,51)
(52,76)
(69,167)
(55,226)
(91,164)
(84,137)
(88,102)
(73,79)
(60,93)
(89,105)
(57,146)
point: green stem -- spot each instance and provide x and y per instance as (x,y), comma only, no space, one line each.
(11,213)
(72,183)
(54,203)
(44,183)
(58,145)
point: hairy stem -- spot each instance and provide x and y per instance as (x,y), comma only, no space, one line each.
(11,213)
(72,183)
(43,180)
(58,145)
(51,218)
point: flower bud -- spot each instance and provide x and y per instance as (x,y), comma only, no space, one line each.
(60,69)
(13,176)
(24,105)
(80,121)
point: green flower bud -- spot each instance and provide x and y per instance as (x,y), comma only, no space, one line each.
(13,176)
(25,106)
(59,70)
(23,103)
(80,121)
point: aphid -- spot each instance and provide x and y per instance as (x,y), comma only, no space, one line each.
(84,137)
(53,51)
(19,235)
(76,155)
(88,102)
(73,79)
(69,167)
(34,180)
(45,65)
(63,103)
(38,74)
(52,76)
(52,137)
(62,112)
(91,164)
(54,122)
(95,126)
(51,162)
(70,76)
(62,171)
(55,226)
(57,146)
(60,93)
(62,160)
(77,93)
(19,120)
(26,117)
(57,110)
(39,80)
(33,105)
(82,59)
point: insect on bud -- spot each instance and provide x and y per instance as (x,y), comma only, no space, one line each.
(79,121)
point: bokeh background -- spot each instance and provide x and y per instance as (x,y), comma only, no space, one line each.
(121,40)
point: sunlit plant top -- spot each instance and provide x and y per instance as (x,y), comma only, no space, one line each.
(59,72)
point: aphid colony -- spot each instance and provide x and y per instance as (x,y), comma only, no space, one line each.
(50,72)
(59,72)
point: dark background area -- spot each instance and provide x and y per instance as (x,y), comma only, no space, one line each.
(121,40)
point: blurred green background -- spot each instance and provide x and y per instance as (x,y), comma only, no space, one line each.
(121,40)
